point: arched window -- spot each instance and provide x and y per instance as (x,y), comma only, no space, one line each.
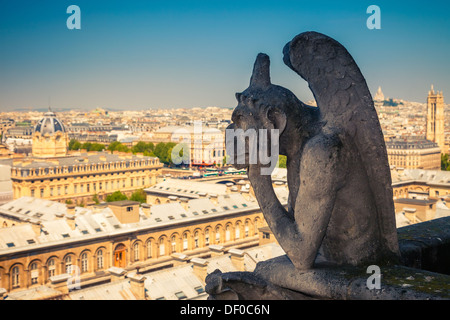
(227,233)
(207,237)
(255,227)
(84,262)
(149,249)
(15,277)
(217,235)
(237,232)
(100,259)
(136,251)
(34,273)
(68,264)
(196,244)
(174,244)
(185,241)
(246,229)
(162,249)
(51,267)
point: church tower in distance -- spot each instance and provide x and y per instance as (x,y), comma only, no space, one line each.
(435,118)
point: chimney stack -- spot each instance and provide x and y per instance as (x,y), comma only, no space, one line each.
(70,209)
(216,250)
(61,282)
(200,267)
(3,293)
(137,283)
(237,259)
(180,258)
(70,219)
(146,209)
(117,273)
(36,228)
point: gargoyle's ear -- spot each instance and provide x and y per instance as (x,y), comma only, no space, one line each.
(261,72)
(277,118)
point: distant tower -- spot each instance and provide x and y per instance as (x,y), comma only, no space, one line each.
(379,96)
(50,137)
(435,118)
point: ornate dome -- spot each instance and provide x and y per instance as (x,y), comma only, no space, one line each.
(49,124)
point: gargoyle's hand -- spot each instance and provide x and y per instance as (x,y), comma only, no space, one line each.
(244,286)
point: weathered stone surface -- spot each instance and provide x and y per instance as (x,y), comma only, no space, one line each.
(344,283)
(426,245)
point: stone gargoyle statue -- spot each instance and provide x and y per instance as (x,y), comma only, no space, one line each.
(340,209)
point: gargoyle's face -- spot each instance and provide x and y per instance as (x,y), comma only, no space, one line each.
(251,134)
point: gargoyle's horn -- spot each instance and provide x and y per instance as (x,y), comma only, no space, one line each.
(261,71)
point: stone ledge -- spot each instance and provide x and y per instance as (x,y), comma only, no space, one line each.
(426,245)
(349,283)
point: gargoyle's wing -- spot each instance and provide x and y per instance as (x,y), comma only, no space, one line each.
(347,107)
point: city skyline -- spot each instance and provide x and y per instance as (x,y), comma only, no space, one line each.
(175,54)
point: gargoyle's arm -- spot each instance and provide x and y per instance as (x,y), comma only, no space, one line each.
(280,222)
(322,174)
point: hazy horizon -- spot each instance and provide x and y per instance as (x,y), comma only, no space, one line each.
(183,54)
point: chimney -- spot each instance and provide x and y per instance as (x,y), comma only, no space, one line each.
(237,259)
(216,250)
(36,228)
(137,283)
(61,282)
(146,209)
(184,203)
(214,198)
(200,267)
(117,273)
(70,219)
(180,258)
(59,215)
(3,293)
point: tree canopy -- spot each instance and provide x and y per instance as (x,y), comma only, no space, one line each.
(88,146)
(138,195)
(445,162)
(162,150)
(116,196)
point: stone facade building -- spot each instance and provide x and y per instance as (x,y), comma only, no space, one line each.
(413,153)
(41,248)
(206,145)
(54,173)
(80,176)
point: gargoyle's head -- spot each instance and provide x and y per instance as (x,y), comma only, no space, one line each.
(259,119)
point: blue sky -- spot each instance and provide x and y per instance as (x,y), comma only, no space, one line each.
(152,54)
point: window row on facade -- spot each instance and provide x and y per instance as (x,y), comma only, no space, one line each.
(39,271)
(81,186)
(85,168)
